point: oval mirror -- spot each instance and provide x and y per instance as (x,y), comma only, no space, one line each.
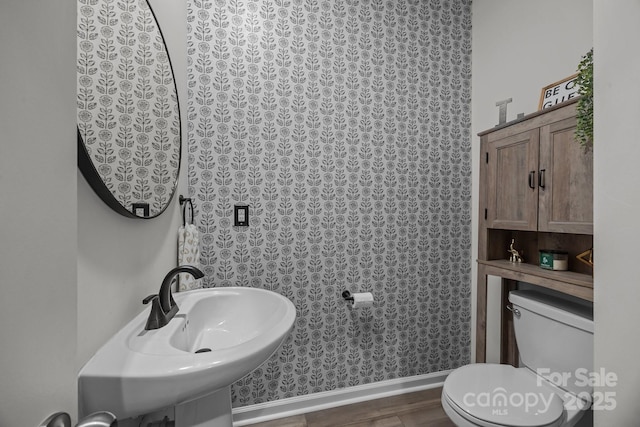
(128,114)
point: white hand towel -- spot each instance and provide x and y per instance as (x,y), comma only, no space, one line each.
(188,254)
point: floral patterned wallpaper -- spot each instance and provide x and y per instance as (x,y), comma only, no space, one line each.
(345,125)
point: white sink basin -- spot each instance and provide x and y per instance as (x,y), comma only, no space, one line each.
(137,371)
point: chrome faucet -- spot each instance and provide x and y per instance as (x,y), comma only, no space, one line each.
(163,307)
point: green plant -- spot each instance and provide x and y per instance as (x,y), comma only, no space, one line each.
(584,129)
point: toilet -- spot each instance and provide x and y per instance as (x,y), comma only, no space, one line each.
(551,388)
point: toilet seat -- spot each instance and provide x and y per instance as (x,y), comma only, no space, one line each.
(491,395)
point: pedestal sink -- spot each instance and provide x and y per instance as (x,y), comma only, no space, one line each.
(218,336)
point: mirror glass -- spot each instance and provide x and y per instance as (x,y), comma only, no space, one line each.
(128,115)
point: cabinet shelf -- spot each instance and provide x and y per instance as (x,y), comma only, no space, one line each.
(569,282)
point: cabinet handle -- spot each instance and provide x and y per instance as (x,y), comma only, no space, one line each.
(541,178)
(532,179)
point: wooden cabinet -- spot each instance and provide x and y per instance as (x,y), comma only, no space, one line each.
(536,188)
(512,162)
(539,179)
(565,181)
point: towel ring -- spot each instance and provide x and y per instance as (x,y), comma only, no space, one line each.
(183,202)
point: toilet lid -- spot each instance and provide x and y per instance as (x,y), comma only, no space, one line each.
(503,395)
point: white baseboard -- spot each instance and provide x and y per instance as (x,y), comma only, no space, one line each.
(330,399)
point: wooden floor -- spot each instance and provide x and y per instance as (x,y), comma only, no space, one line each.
(417,409)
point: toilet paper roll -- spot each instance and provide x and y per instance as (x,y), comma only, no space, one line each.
(362,299)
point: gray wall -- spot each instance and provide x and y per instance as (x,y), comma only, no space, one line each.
(37,211)
(617,203)
(345,127)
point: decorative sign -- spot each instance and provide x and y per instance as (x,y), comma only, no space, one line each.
(558,92)
(502,113)
(586,257)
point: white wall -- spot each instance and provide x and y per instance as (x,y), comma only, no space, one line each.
(37,211)
(617,204)
(518,48)
(122,260)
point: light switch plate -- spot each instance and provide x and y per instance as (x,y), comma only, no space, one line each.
(241,215)
(140,209)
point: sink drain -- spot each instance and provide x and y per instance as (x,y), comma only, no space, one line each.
(203,350)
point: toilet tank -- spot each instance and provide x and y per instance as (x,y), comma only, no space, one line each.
(555,338)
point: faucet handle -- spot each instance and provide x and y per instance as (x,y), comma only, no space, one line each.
(150,298)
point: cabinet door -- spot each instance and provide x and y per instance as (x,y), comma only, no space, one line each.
(512,191)
(565,181)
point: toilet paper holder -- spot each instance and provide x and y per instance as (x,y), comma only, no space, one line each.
(347,296)
(358,300)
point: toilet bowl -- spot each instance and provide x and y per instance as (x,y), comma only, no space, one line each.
(555,339)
